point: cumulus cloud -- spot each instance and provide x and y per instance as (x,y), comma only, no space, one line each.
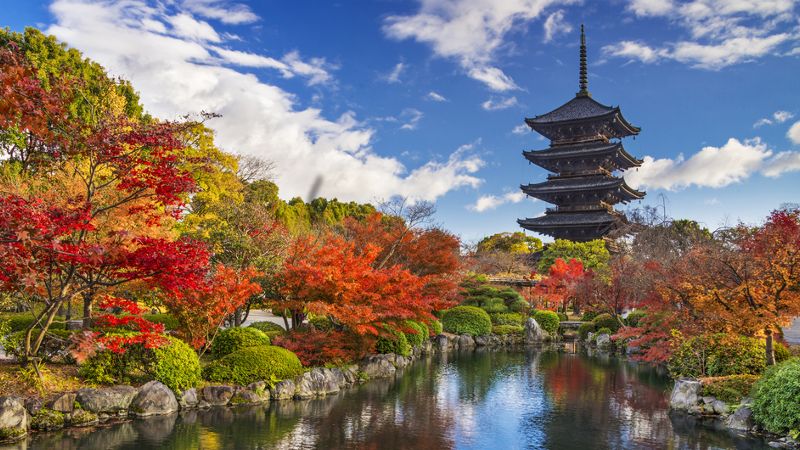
(719,33)
(777,117)
(794,133)
(468,31)
(521,129)
(435,96)
(713,167)
(225,12)
(180,72)
(555,24)
(489,202)
(497,104)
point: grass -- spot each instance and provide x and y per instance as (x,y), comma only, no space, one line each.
(19,381)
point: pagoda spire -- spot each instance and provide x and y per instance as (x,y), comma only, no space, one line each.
(584,80)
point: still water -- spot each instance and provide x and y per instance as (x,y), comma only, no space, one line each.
(481,400)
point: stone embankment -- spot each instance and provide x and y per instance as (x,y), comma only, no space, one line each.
(90,406)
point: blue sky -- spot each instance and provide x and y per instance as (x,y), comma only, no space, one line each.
(425,98)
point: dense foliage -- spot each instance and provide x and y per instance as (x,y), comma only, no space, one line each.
(776,398)
(393,342)
(324,348)
(548,320)
(730,389)
(254,364)
(417,333)
(233,339)
(467,320)
(176,365)
(716,355)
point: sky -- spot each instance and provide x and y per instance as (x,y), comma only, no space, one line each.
(425,99)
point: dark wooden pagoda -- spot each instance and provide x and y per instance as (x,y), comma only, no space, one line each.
(585,151)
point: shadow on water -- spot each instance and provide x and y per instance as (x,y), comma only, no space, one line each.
(480,400)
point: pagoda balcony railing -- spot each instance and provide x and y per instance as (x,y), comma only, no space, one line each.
(601,206)
(580,173)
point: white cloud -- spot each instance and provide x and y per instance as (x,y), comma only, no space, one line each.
(521,129)
(394,76)
(794,133)
(176,74)
(720,32)
(411,117)
(225,12)
(184,25)
(555,25)
(471,32)
(777,117)
(713,167)
(489,202)
(435,96)
(495,105)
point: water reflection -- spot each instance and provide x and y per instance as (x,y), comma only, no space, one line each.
(480,400)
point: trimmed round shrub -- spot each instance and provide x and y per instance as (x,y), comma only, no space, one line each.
(436,327)
(548,320)
(730,389)
(588,316)
(253,364)
(519,306)
(776,397)
(606,320)
(420,335)
(233,339)
(271,329)
(604,330)
(634,317)
(467,320)
(495,305)
(508,319)
(717,355)
(169,321)
(585,328)
(395,342)
(176,365)
(507,329)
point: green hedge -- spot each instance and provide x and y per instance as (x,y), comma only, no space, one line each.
(508,319)
(730,389)
(420,335)
(395,342)
(169,321)
(254,364)
(589,316)
(606,320)
(717,355)
(436,327)
(55,343)
(585,328)
(176,365)
(271,329)
(233,339)
(776,398)
(467,320)
(495,305)
(548,320)
(21,320)
(519,306)
(508,329)
(634,317)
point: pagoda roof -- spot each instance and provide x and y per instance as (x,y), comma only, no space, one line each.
(581,109)
(582,183)
(614,151)
(580,219)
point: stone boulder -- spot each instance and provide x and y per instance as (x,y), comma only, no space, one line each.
(685,395)
(377,366)
(64,403)
(318,382)
(154,398)
(441,343)
(466,342)
(534,333)
(719,407)
(113,400)
(14,419)
(261,389)
(741,420)
(603,341)
(33,405)
(283,390)
(245,396)
(188,399)
(218,395)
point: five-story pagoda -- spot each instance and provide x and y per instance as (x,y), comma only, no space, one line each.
(585,151)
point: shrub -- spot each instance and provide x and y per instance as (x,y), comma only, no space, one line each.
(781,352)
(519,306)
(103,368)
(168,320)
(589,316)
(176,365)
(508,319)
(776,397)
(321,323)
(320,348)
(467,320)
(508,329)
(271,329)
(548,320)
(585,328)
(606,320)
(562,317)
(716,355)
(634,317)
(54,344)
(730,389)
(254,364)
(394,342)
(604,330)
(420,334)
(233,339)
(436,327)
(495,305)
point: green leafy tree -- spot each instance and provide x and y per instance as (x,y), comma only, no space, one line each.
(593,254)
(515,243)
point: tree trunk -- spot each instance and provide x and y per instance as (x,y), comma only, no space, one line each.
(285,320)
(770,349)
(88,299)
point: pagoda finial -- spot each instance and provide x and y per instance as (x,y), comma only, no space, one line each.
(584,80)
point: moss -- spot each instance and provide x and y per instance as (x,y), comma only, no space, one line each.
(11,434)
(81,417)
(47,419)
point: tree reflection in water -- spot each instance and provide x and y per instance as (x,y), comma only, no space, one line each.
(478,400)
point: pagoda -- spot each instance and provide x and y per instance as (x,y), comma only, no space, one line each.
(585,151)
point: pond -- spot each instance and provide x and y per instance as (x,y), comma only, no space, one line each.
(481,400)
